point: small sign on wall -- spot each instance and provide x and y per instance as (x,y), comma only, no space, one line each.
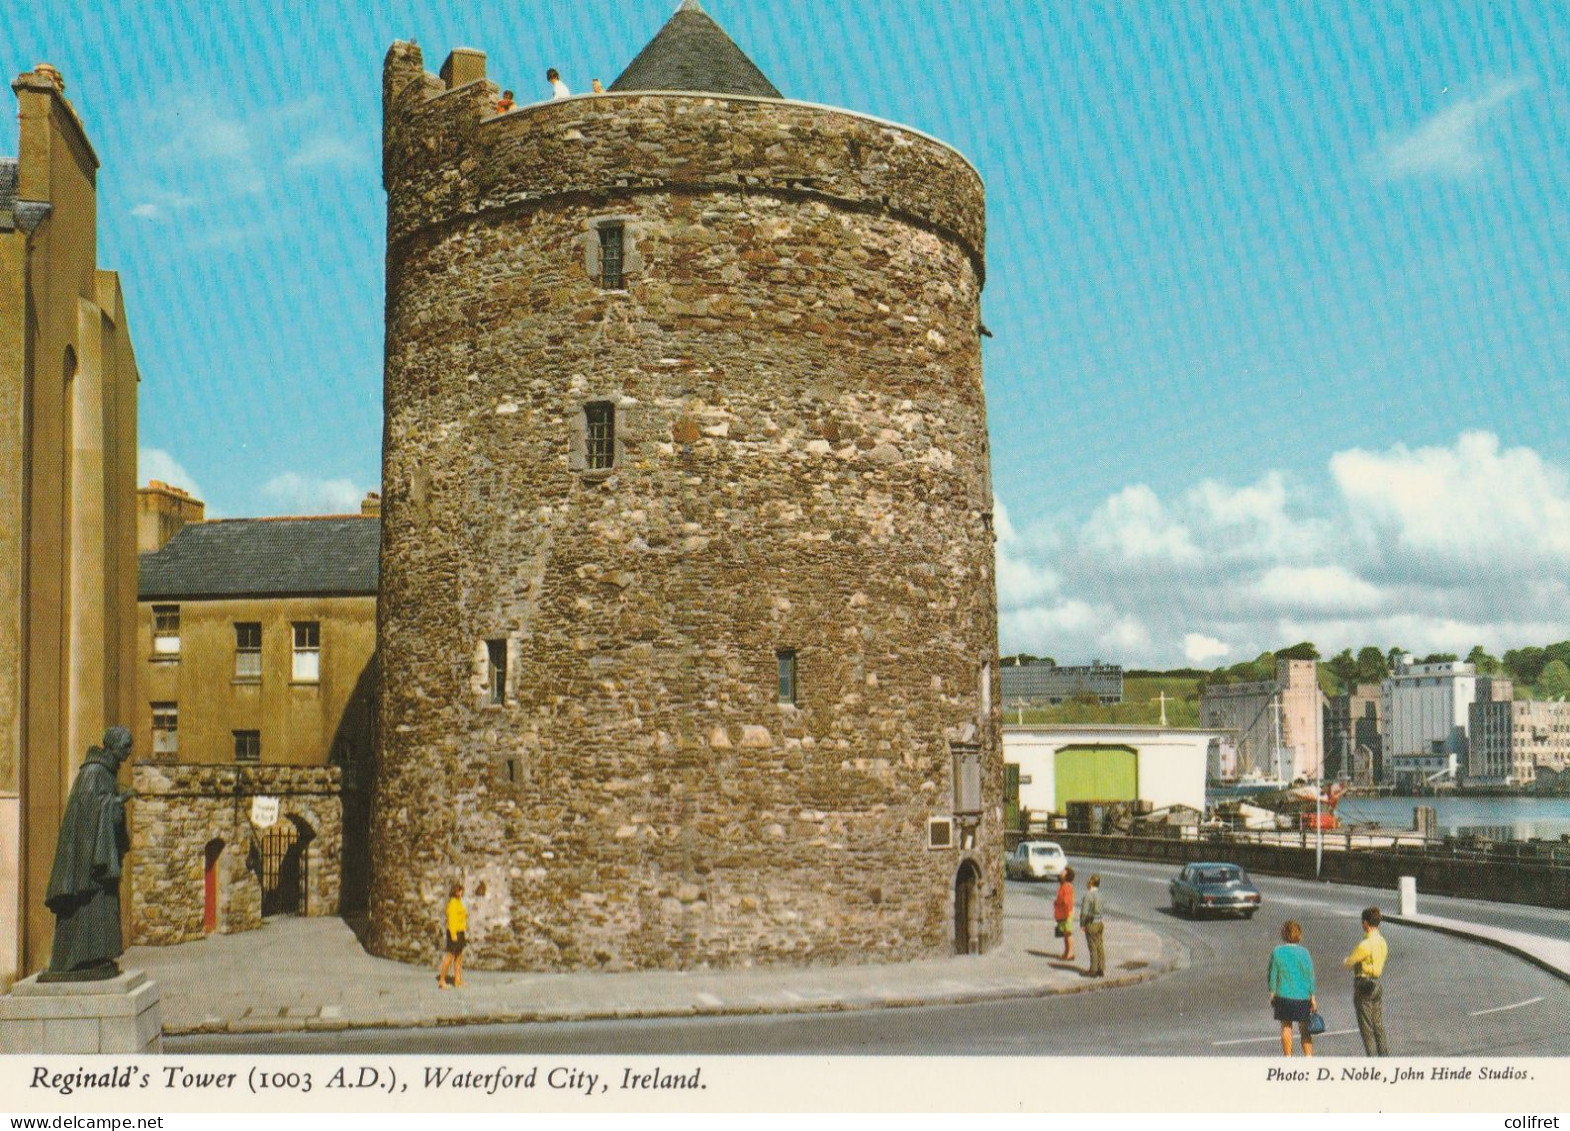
(264,812)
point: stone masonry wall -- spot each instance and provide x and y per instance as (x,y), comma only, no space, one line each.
(801,465)
(180,808)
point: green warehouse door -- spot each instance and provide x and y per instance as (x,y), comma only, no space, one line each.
(1096,773)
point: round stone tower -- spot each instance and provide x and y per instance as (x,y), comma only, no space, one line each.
(687,624)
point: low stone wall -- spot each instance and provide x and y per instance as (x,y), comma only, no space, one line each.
(1514,878)
(181,809)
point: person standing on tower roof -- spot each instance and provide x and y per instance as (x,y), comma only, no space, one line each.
(558,88)
(505,102)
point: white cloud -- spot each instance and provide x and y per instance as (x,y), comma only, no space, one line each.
(292,493)
(161,204)
(206,142)
(1471,504)
(1200,650)
(1134,527)
(155,463)
(234,164)
(1447,143)
(1022,573)
(1252,522)
(325,150)
(1331,588)
(1433,549)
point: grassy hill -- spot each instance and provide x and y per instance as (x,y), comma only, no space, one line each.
(1140,707)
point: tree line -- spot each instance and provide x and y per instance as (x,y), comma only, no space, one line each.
(1543,669)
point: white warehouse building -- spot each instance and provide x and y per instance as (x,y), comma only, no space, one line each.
(1059,764)
(1425,713)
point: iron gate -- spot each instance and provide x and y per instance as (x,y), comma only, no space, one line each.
(282,869)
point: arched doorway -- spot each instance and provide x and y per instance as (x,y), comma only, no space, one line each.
(967,909)
(283,866)
(210,857)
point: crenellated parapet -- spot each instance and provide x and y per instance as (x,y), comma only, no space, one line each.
(448,155)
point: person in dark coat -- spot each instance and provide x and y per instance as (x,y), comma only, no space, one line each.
(84,885)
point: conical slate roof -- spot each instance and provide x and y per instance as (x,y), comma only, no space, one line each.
(692,52)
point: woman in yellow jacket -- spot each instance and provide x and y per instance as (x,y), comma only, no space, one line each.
(457,927)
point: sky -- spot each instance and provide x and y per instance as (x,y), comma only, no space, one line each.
(1278,291)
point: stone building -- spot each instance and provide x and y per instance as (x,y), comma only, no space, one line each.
(256,643)
(1279,723)
(1511,742)
(688,640)
(1354,745)
(68,381)
(1425,712)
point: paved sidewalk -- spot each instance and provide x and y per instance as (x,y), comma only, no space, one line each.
(296,974)
(1551,954)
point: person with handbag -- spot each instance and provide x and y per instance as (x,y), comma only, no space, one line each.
(1291,976)
(1367,963)
(1063,912)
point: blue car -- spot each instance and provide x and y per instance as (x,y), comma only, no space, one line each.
(1214,889)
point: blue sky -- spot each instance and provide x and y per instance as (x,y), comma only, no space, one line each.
(1278,291)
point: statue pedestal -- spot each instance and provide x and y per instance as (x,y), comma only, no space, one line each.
(116,1015)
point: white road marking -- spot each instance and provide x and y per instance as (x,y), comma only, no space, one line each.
(1276,1040)
(1502,1008)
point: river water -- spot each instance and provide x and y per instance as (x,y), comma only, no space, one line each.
(1500,818)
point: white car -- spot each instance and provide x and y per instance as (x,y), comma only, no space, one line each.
(1035,860)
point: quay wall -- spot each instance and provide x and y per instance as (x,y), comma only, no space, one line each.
(1509,874)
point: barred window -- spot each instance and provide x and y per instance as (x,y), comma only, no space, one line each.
(612,276)
(166,730)
(166,630)
(600,421)
(247,746)
(248,652)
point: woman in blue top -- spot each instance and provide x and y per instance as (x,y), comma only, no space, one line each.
(1292,987)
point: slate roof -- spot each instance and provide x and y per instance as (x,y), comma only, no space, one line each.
(692,52)
(265,557)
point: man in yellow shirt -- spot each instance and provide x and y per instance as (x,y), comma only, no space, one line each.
(457,933)
(1367,962)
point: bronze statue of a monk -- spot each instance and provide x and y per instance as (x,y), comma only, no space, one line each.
(84,886)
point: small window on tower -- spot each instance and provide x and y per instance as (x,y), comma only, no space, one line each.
(612,274)
(497,650)
(786,662)
(600,424)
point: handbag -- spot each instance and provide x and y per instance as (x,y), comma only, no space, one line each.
(1316,1024)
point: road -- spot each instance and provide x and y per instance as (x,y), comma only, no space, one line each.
(1444,996)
